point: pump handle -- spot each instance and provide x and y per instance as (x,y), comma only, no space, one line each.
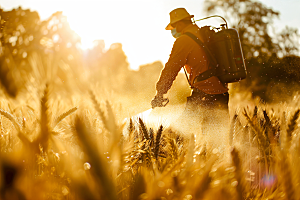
(214,16)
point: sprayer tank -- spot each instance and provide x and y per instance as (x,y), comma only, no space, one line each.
(228,53)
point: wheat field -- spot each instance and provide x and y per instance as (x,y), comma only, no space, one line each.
(73,124)
(81,148)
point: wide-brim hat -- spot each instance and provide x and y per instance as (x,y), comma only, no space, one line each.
(176,15)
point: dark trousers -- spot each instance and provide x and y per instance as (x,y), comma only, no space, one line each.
(207,114)
(208,101)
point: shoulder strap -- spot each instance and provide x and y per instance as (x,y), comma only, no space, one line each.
(210,72)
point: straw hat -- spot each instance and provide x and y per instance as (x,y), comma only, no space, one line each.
(177,15)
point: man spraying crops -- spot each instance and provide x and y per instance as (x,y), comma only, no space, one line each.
(188,54)
(207,95)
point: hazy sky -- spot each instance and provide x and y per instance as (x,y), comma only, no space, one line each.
(138,24)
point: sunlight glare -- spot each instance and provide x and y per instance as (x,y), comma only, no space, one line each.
(121,22)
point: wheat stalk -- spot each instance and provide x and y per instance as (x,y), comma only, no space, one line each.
(241,190)
(283,133)
(286,135)
(286,176)
(1,126)
(6,77)
(64,115)
(99,167)
(190,154)
(203,184)
(1,134)
(139,187)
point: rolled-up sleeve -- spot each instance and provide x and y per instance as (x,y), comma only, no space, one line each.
(178,58)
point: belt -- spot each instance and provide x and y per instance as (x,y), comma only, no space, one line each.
(209,100)
(195,90)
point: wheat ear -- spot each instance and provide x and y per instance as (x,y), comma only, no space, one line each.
(64,115)
(100,112)
(261,138)
(45,133)
(11,118)
(130,129)
(151,137)
(143,129)
(268,127)
(111,121)
(173,148)
(255,111)
(231,130)
(292,125)
(157,142)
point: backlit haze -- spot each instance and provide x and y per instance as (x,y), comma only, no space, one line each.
(138,24)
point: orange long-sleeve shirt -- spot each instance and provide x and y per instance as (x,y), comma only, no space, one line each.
(187,53)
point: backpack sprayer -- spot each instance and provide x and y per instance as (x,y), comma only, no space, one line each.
(223,47)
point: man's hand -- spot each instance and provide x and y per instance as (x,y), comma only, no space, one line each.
(158,101)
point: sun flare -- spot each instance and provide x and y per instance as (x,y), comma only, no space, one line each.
(121,22)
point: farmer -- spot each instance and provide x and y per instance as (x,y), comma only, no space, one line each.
(208,96)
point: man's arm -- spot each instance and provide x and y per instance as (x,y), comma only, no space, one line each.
(177,60)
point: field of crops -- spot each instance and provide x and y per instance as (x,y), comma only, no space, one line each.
(70,127)
(81,148)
